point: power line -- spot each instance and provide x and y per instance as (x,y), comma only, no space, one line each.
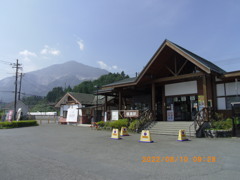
(25,94)
(7,91)
(6,62)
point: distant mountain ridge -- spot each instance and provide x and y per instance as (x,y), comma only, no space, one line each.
(42,81)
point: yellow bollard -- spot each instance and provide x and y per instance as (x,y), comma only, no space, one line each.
(124,132)
(182,135)
(146,137)
(115,134)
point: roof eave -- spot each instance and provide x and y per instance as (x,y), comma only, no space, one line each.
(189,57)
(120,85)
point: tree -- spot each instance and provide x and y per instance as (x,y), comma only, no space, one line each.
(32,100)
(68,89)
(90,86)
(55,94)
(43,106)
(84,87)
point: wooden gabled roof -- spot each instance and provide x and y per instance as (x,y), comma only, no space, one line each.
(79,98)
(203,64)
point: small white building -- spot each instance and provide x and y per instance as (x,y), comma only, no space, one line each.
(72,108)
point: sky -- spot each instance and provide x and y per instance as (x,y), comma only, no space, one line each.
(116,35)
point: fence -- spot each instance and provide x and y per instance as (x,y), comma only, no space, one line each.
(44,119)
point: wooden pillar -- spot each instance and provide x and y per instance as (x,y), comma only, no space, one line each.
(153,96)
(164,104)
(214,92)
(153,100)
(119,100)
(205,94)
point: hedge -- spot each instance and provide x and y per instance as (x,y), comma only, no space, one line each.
(114,124)
(118,124)
(134,125)
(16,124)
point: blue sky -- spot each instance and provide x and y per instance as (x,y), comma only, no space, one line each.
(115,34)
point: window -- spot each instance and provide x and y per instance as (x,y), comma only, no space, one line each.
(221,103)
(226,94)
(65,114)
(230,100)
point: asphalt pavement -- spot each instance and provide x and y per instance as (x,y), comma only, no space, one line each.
(65,152)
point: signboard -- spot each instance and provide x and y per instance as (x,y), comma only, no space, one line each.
(10,115)
(183,98)
(19,114)
(114,115)
(192,98)
(170,115)
(131,113)
(72,115)
(105,116)
(201,102)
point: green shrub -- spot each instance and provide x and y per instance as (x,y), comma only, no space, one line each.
(224,125)
(101,123)
(106,125)
(6,125)
(134,125)
(16,124)
(118,124)
(114,124)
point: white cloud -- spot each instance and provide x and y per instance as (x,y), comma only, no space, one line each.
(115,67)
(27,53)
(107,67)
(81,45)
(48,50)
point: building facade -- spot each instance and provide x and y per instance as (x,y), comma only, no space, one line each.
(73,108)
(83,108)
(176,84)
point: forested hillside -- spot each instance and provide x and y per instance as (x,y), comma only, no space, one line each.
(47,103)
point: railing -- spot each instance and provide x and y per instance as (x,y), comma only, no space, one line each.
(203,116)
(145,119)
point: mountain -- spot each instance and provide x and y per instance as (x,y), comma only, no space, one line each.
(42,81)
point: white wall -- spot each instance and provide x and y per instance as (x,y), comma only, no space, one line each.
(182,88)
(66,107)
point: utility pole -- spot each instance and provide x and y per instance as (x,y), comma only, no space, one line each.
(17,66)
(20,87)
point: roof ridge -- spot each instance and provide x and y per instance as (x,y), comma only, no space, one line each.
(197,57)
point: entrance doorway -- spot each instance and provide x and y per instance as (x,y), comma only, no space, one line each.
(181,108)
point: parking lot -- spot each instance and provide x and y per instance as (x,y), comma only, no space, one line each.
(52,151)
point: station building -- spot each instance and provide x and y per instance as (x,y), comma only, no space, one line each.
(176,84)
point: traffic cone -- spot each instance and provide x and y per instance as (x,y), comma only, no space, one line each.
(146,137)
(124,132)
(115,134)
(182,135)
